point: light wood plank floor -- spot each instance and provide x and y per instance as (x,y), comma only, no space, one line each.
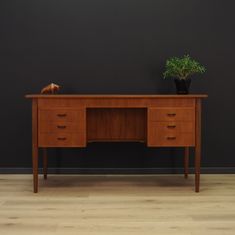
(117,205)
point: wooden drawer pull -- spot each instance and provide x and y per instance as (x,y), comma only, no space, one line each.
(61,127)
(171,137)
(61,138)
(171,126)
(61,115)
(171,114)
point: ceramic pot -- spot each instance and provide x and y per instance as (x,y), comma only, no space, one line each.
(182,86)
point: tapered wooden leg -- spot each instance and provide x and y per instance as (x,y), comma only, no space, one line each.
(35,169)
(198,146)
(186,162)
(44,152)
(35,144)
(197,168)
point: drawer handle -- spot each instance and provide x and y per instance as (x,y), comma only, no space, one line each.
(61,115)
(171,114)
(171,126)
(171,137)
(61,138)
(61,127)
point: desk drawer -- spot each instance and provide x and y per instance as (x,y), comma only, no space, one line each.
(61,140)
(65,115)
(59,127)
(178,140)
(173,127)
(171,114)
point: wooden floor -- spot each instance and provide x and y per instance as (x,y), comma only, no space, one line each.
(117,205)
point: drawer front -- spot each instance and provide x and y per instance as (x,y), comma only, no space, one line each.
(179,140)
(182,135)
(58,115)
(174,127)
(173,102)
(61,140)
(59,127)
(171,114)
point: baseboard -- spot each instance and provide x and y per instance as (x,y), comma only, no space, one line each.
(204,170)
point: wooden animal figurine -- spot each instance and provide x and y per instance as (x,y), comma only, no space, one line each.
(50,89)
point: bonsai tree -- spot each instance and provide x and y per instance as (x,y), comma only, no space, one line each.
(181,69)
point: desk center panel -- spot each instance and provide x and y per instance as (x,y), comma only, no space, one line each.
(116,124)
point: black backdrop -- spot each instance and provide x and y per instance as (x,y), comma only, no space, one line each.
(115,46)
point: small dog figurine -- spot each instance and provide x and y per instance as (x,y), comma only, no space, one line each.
(50,89)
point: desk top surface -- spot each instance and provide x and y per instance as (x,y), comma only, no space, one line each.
(32,96)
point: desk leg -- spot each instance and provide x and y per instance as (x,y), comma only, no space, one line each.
(198,145)
(44,152)
(35,169)
(186,162)
(35,144)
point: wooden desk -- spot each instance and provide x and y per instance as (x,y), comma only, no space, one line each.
(157,120)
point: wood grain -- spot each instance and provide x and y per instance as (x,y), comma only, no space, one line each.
(62,140)
(158,136)
(174,127)
(172,114)
(115,124)
(56,115)
(48,102)
(171,126)
(62,127)
(186,162)
(44,156)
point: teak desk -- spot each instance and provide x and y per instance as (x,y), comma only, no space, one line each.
(157,120)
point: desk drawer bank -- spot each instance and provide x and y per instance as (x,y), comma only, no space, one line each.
(156,120)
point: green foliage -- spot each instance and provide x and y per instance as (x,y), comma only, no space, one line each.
(182,68)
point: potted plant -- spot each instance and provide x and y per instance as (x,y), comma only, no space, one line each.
(181,69)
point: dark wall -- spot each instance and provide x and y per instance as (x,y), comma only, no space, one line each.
(115,46)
